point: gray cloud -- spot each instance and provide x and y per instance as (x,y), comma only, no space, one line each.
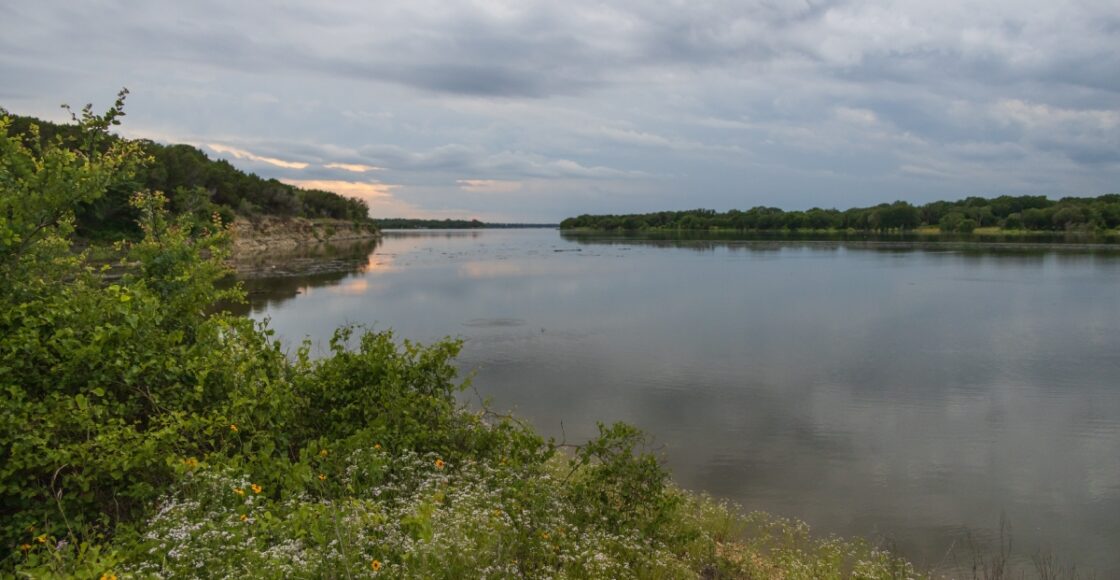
(620,106)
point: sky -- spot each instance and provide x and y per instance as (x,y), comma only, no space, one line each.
(536,111)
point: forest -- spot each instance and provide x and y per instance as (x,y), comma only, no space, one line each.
(194,184)
(1028,213)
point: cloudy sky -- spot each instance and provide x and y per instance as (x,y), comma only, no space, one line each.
(526,110)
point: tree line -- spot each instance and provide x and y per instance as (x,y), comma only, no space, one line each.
(1028,212)
(448,224)
(194,184)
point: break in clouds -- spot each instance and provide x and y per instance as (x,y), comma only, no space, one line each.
(540,110)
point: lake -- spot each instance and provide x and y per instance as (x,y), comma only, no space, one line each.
(914,394)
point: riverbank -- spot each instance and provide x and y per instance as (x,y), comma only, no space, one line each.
(276,233)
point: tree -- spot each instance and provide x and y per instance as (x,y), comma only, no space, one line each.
(44,180)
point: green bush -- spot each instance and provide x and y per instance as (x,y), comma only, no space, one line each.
(142,433)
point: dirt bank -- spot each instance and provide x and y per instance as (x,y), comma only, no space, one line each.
(273,233)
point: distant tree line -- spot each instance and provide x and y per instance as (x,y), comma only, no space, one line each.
(194,184)
(446,224)
(1035,213)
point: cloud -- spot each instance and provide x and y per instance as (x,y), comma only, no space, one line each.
(368,191)
(352,167)
(488,185)
(623,105)
(243,154)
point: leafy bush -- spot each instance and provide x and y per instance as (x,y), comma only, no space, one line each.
(141,433)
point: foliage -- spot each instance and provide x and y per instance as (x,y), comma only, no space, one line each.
(195,184)
(447,224)
(1035,213)
(144,434)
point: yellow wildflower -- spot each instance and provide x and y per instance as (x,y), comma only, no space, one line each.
(233,427)
(25,547)
(544,536)
(190,462)
(377,447)
(440,464)
(239,491)
(322,477)
(256,488)
(323,453)
(41,539)
(375,565)
(244,518)
(108,576)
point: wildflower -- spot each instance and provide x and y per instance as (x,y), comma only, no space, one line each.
(233,427)
(256,488)
(239,491)
(244,518)
(108,576)
(190,462)
(322,477)
(41,539)
(440,464)
(377,447)
(323,453)
(25,547)
(544,536)
(375,565)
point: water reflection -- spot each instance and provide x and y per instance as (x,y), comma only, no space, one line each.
(878,389)
(273,277)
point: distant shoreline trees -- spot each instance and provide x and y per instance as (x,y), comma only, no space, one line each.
(1032,213)
(448,224)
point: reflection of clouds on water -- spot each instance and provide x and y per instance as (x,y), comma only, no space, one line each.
(491,269)
(879,391)
(353,286)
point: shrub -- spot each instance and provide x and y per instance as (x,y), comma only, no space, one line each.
(143,433)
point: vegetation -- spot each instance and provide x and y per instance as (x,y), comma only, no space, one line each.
(142,435)
(447,224)
(1026,213)
(195,185)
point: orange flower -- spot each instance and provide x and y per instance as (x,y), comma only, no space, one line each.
(190,462)
(108,576)
(238,491)
(375,565)
(322,477)
(256,488)
(377,447)
(440,464)
(25,547)
(233,427)
(244,518)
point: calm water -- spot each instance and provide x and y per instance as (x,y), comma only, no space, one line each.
(912,395)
